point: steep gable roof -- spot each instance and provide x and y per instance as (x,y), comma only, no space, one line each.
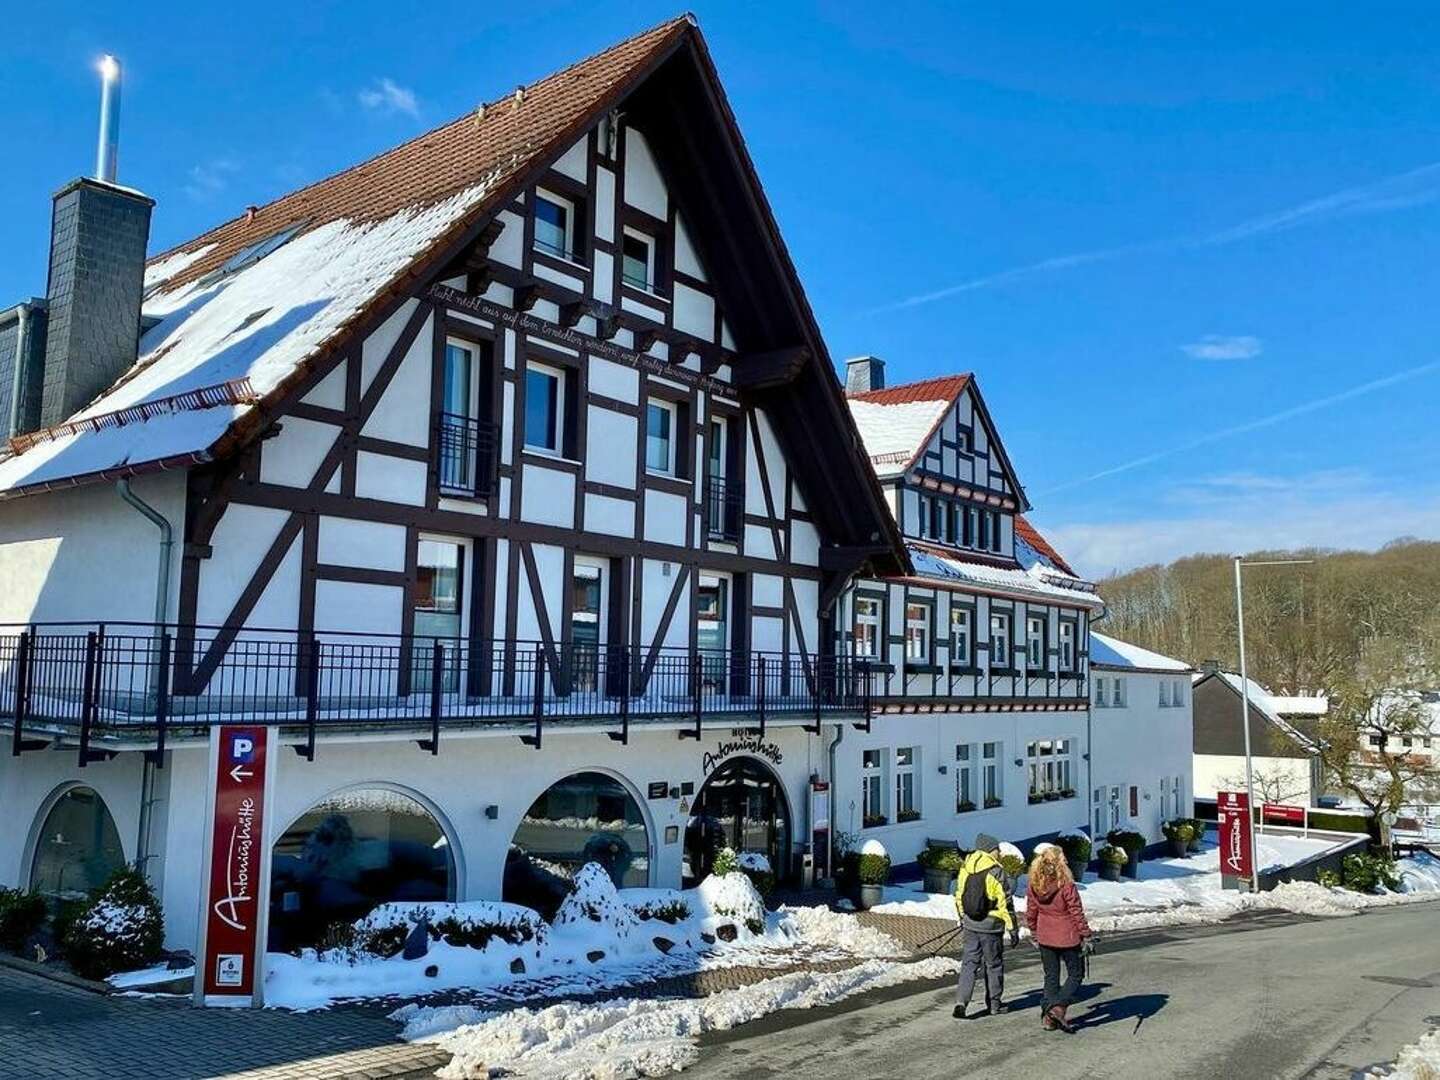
(1027,533)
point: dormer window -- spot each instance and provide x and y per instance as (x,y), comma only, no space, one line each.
(554,225)
(637,267)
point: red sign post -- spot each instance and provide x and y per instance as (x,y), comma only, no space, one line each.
(1279,814)
(234,900)
(1237,857)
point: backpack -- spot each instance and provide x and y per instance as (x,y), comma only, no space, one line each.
(974,898)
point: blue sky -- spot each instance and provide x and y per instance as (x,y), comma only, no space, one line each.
(1191,256)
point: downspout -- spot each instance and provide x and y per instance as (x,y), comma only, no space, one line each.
(162,609)
(1090,728)
(834,801)
(22,327)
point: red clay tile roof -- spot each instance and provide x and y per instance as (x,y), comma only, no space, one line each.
(505,135)
(941,388)
(1027,532)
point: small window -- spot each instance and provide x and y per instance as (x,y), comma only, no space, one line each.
(554,225)
(962,442)
(1134,801)
(544,401)
(1035,641)
(994,532)
(1067,646)
(1177,693)
(960,635)
(906,797)
(964,784)
(999,640)
(867,627)
(872,788)
(1100,692)
(917,633)
(968,539)
(1164,693)
(660,431)
(637,265)
(984,540)
(924,523)
(990,754)
(1120,685)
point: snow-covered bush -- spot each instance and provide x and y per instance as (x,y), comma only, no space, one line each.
(733,896)
(472,925)
(1011,859)
(1369,873)
(1178,829)
(122,928)
(1133,842)
(669,909)
(1076,846)
(938,857)
(21,914)
(752,864)
(596,901)
(1113,854)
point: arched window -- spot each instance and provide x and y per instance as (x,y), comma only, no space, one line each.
(586,817)
(348,853)
(78,847)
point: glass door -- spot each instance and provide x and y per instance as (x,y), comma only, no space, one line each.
(439,604)
(713,634)
(587,617)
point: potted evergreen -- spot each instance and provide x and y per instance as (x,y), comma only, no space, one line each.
(1198,840)
(1178,832)
(941,866)
(872,869)
(1133,844)
(1077,848)
(1112,861)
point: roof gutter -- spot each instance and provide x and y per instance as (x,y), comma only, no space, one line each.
(167,547)
(143,468)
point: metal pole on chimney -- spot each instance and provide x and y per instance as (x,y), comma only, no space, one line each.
(107,149)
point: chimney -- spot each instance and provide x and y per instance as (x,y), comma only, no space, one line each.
(864,373)
(98,235)
(22,367)
(1210,667)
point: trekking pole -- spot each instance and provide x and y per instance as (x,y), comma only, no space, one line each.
(939,940)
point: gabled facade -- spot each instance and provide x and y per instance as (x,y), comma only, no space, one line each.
(1285,749)
(981,655)
(518,443)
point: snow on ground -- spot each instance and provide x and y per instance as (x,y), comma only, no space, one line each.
(617,1040)
(160,973)
(601,938)
(1183,892)
(1418,1061)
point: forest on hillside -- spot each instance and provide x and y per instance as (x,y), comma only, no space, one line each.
(1308,628)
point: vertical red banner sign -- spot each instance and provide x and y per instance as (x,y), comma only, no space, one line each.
(233,900)
(1237,859)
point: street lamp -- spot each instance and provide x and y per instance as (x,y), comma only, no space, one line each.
(1245,703)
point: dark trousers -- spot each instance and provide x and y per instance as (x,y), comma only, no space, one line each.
(982,955)
(1057,993)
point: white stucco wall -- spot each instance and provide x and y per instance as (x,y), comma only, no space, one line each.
(1138,745)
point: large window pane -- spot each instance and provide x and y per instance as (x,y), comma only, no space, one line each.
(354,850)
(542,409)
(78,847)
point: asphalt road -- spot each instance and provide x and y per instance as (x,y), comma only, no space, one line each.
(1269,997)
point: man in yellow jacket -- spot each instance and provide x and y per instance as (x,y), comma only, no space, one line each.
(985,902)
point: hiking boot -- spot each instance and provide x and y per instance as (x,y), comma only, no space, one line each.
(998,1007)
(1047,1022)
(959,1012)
(1058,1015)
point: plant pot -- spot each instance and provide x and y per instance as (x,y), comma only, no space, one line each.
(1077,868)
(869,896)
(1195,844)
(1132,868)
(1178,848)
(1109,871)
(939,881)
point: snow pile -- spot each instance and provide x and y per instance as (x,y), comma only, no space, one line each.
(595,907)
(821,926)
(1418,1061)
(753,860)
(631,1037)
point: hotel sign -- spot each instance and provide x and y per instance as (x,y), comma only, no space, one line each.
(522,322)
(741,742)
(1237,858)
(235,900)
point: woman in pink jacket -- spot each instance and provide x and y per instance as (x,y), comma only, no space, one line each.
(1057,923)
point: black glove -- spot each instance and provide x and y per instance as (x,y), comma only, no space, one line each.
(1087,947)
(1014,938)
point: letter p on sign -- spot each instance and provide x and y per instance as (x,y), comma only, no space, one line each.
(242,749)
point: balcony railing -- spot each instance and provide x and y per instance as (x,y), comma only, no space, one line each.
(134,682)
(465,455)
(724,509)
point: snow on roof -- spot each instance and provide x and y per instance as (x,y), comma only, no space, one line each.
(893,433)
(159,271)
(1037,579)
(1296,705)
(260,323)
(1109,652)
(1264,704)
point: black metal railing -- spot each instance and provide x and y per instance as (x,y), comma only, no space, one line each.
(130,680)
(465,455)
(724,509)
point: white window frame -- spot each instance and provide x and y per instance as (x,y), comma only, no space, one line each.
(671,457)
(1164,693)
(907,781)
(558,375)
(1177,694)
(568,205)
(472,390)
(965,777)
(923,640)
(1100,702)
(961,635)
(1035,641)
(872,781)
(870,619)
(649,242)
(1000,632)
(1067,645)
(1120,692)
(992,768)
(923,503)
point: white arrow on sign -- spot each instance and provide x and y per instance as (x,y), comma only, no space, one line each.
(238,774)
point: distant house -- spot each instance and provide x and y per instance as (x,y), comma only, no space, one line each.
(1284,741)
(1140,738)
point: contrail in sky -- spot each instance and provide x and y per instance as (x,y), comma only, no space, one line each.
(1402,191)
(1253,425)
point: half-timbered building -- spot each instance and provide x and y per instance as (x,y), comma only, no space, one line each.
(980,653)
(503,477)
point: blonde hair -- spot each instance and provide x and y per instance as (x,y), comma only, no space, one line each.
(1049,872)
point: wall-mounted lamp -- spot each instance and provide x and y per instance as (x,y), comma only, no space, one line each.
(1020,761)
(944,769)
(492,811)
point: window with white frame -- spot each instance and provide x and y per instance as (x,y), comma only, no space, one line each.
(1050,768)
(1164,693)
(917,633)
(554,224)
(1177,693)
(991,777)
(964,779)
(661,427)
(1064,753)
(1165,798)
(872,787)
(1177,789)
(1067,645)
(1119,685)
(923,529)
(1099,804)
(1035,641)
(907,800)
(544,408)
(999,639)
(1100,701)
(960,635)
(637,266)
(867,627)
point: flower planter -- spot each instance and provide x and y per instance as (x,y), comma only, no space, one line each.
(1179,848)
(1109,871)
(939,881)
(1196,843)
(1077,868)
(1132,868)
(869,896)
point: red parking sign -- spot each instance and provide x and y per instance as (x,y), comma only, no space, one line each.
(234,902)
(1237,859)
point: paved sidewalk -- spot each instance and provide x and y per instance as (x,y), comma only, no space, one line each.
(53,1032)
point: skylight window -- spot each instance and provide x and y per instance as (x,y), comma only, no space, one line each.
(253,253)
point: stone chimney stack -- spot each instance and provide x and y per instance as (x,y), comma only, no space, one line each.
(1210,667)
(864,373)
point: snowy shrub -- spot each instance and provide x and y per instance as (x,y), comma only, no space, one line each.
(752,864)
(1076,846)
(733,896)
(1369,873)
(726,862)
(936,857)
(1328,878)
(121,929)
(1011,859)
(1114,854)
(1131,841)
(21,914)
(471,925)
(873,869)
(670,911)
(595,900)
(1178,829)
